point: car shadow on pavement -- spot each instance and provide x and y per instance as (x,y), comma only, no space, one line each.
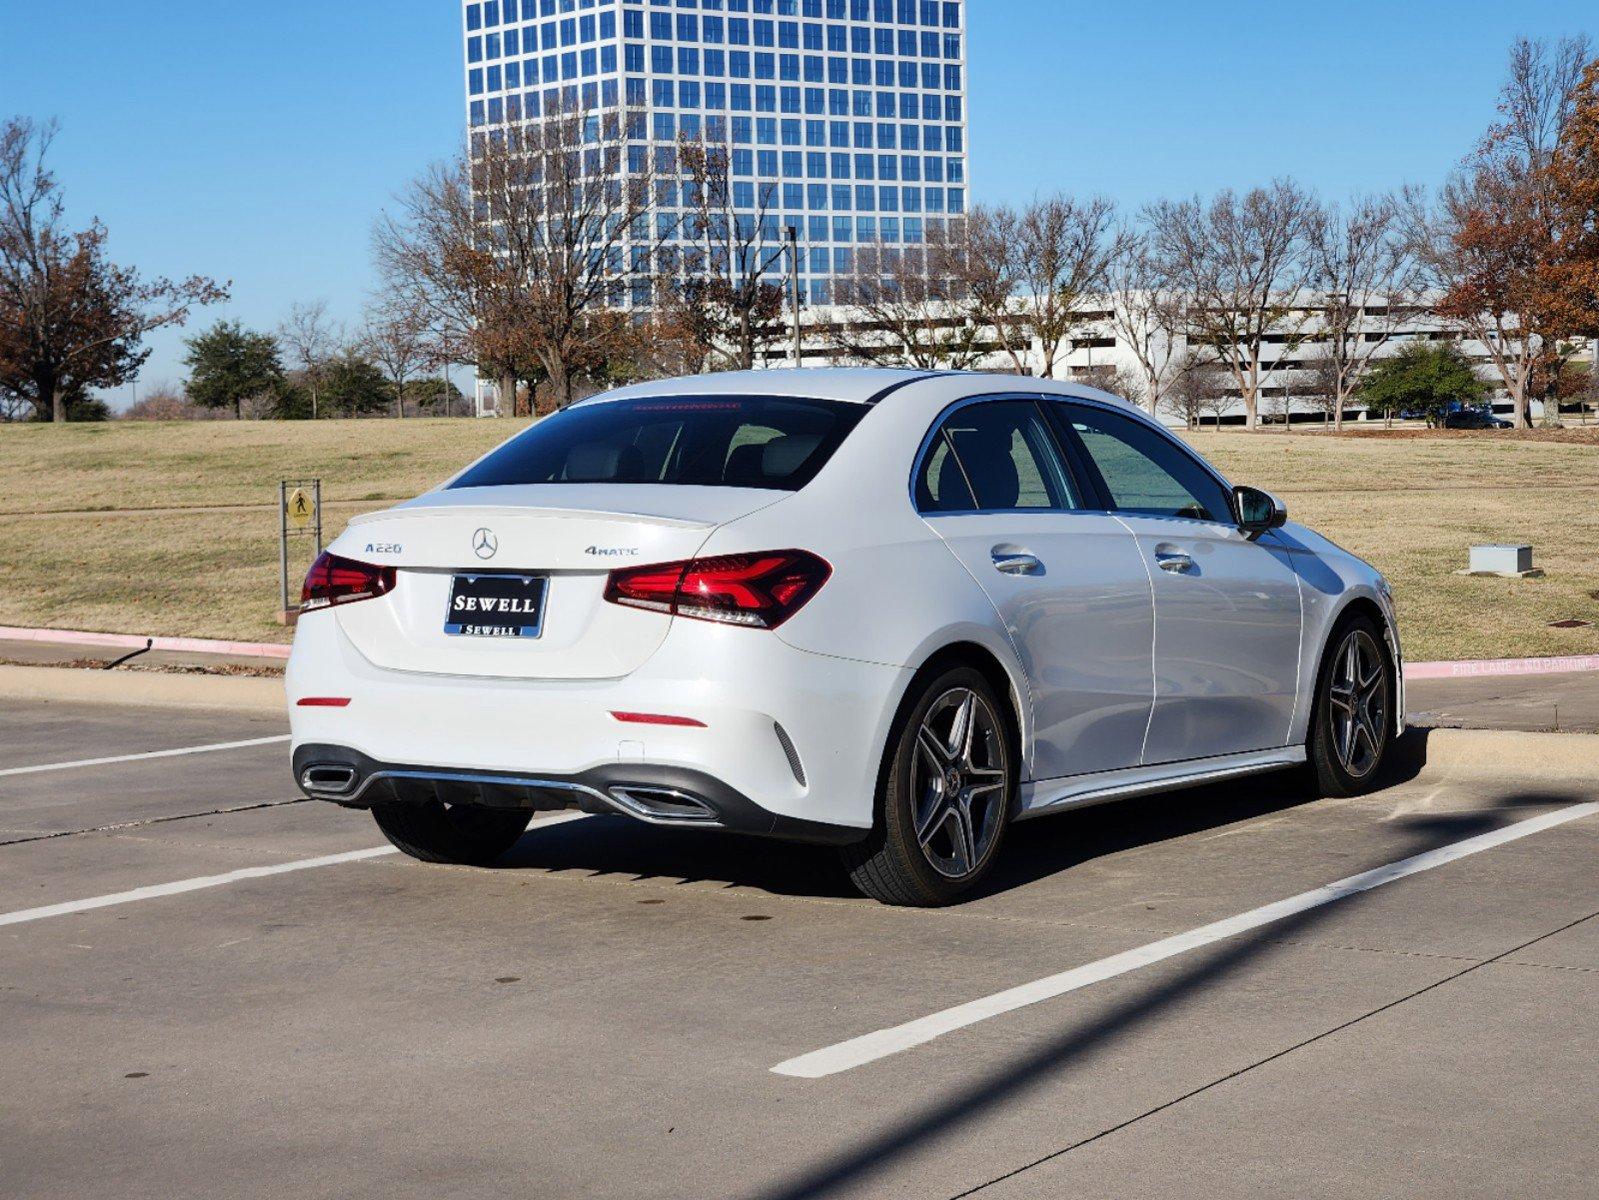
(607,845)
(870,1161)
(1034,850)
(1051,844)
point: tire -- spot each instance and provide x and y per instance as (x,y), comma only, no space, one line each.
(945,800)
(1351,727)
(461,834)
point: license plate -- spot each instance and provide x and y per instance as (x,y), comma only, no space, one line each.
(502,606)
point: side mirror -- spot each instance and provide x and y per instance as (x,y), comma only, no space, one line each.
(1258,512)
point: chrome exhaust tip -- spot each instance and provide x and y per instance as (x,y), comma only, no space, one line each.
(329,779)
(662,804)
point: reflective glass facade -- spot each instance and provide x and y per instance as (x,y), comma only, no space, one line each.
(849,114)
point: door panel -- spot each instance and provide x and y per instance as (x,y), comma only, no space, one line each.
(1227,609)
(1081,622)
(1227,630)
(1070,586)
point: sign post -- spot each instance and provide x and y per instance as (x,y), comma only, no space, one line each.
(299,516)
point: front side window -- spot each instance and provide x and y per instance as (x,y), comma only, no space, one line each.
(1143,471)
(994,457)
(766,442)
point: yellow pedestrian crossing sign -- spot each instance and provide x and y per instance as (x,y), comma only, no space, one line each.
(299,519)
(301,508)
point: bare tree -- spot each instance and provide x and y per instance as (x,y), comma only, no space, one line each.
(716,290)
(1032,270)
(904,307)
(1240,262)
(521,249)
(1537,100)
(429,259)
(1277,394)
(1146,316)
(1198,386)
(1218,400)
(312,339)
(1366,282)
(1113,378)
(397,341)
(1324,379)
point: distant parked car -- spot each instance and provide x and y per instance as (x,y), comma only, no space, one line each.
(1472,418)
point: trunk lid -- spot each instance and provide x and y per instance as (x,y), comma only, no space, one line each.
(573,534)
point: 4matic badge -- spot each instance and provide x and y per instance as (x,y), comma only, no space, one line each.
(612,552)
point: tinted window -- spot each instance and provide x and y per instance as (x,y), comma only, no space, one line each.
(996,456)
(711,441)
(1144,471)
(942,487)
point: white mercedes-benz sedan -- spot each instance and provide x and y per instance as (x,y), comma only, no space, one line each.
(891,611)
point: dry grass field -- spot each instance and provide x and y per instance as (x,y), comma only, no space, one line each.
(171,529)
(1413,505)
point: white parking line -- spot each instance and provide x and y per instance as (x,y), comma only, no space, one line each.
(177,887)
(122,758)
(870,1047)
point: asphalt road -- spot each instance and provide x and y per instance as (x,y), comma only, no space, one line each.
(1539,703)
(600,1016)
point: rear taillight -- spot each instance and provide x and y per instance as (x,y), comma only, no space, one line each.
(761,590)
(334,580)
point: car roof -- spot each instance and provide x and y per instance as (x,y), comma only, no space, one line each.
(858,385)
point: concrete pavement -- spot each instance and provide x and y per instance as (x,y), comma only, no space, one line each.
(599,1016)
(1537,703)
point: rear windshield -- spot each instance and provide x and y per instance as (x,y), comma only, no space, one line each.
(709,441)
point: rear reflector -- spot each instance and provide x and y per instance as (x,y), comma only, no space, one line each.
(632,718)
(324,702)
(761,590)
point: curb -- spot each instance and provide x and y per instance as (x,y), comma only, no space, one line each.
(1568,665)
(146,689)
(1453,755)
(127,641)
(278,651)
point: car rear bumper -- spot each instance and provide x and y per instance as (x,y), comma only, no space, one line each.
(671,796)
(785,742)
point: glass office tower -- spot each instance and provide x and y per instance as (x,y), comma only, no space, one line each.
(849,116)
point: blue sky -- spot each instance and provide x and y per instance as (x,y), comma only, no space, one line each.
(256,142)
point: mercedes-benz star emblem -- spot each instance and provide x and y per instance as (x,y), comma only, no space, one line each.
(485,544)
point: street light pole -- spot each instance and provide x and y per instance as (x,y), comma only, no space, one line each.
(794,289)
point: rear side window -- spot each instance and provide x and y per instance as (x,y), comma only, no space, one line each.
(767,442)
(942,486)
(997,456)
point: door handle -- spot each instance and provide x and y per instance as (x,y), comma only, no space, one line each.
(1009,561)
(1174,561)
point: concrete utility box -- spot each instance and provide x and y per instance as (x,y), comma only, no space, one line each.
(1510,561)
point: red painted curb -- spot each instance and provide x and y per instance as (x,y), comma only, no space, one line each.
(1568,665)
(126,641)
